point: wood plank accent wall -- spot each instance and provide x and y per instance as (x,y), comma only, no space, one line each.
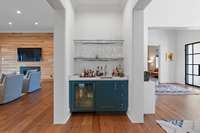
(9,42)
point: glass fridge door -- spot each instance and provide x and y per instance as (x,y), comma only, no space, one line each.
(84,96)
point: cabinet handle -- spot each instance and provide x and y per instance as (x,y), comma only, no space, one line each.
(115,86)
(121,105)
(107,107)
(122,95)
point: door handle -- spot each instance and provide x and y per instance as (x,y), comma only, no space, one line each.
(199,70)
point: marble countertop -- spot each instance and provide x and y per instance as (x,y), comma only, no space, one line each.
(77,78)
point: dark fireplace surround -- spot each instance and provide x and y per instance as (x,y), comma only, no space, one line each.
(24,69)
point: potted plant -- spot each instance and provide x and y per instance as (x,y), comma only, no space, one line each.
(146,76)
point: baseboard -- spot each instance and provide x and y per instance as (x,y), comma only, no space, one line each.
(149,113)
(168,83)
(64,121)
(133,119)
(130,117)
(67,118)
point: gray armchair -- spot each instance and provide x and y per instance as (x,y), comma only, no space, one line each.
(11,88)
(32,81)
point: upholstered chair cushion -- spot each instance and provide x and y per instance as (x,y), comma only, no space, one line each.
(2,78)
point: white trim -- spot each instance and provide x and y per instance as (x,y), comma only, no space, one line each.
(130,117)
(64,120)
(67,118)
(56,4)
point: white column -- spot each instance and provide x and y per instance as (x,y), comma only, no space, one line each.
(61,109)
(136,111)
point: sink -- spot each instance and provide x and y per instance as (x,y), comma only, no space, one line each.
(106,77)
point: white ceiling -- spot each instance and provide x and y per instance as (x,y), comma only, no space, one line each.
(39,11)
(111,3)
(174,28)
(32,11)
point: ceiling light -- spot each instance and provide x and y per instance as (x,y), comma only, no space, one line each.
(36,23)
(19,12)
(10,23)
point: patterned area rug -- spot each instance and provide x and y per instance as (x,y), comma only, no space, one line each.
(173,89)
(180,126)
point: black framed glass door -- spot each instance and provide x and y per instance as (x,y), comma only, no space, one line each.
(192,64)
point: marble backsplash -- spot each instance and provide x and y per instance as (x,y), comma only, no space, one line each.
(83,52)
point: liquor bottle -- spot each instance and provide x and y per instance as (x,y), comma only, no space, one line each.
(105,70)
(101,71)
(97,71)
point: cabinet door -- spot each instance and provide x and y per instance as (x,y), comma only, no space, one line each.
(82,96)
(122,91)
(107,97)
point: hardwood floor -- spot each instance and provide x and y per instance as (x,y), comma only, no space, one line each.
(33,113)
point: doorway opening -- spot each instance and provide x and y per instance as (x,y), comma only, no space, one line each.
(154,62)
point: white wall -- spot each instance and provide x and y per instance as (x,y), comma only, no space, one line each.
(127,30)
(173,41)
(98,23)
(171,13)
(69,46)
(166,39)
(133,35)
(137,71)
(184,37)
(127,36)
(60,94)
(63,66)
(70,32)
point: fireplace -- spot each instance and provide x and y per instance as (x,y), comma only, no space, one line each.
(23,69)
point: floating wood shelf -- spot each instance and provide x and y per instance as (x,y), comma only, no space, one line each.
(98,59)
(99,42)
